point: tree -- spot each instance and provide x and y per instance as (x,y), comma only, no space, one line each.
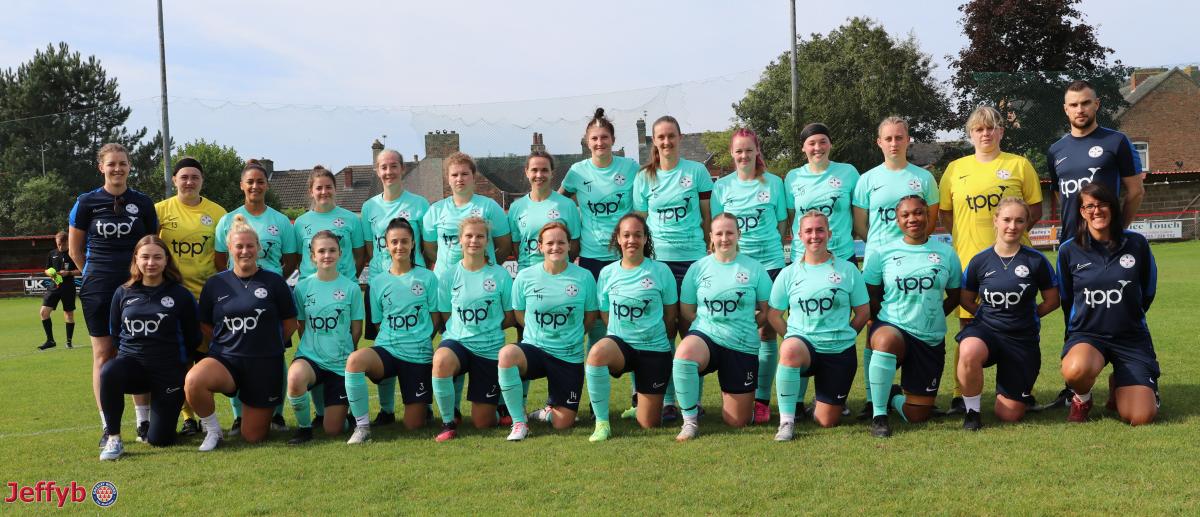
(850,79)
(39,207)
(1020,57)
(222,172)
(63,107)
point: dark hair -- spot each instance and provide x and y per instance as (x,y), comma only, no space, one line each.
(171,272)
(917,197)
(647,250)
(1116,224)
(185,162)
(401,223)
(1080,85)
(600,121)
(539,154)
(319,171)
(814,128)
(253,165)
(651,169)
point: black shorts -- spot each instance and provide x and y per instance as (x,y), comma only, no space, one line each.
(371,331)
(1134,361)
(564,380)
(414,378)
(736,371)
(335,385)
(679,268)
(652,370)
(1018,360)
(484,373)
(96,296)
(833,373)
(921,369)
(593,265)
(65,293)
(774,273)
(258,381)
(156,377)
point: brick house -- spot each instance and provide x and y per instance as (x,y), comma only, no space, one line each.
(1163,118)
(355,183)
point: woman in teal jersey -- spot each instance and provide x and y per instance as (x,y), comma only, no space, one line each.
(441,222)
(637,299)
(758,201)
(825,186)
(602,185)
(477,297)
(826,304)
(906,281)
(555,302)
(724,296)
(280,250)
(330,311)
(404,306)
(377,215)
(879,189)
(326,215)
(528,215)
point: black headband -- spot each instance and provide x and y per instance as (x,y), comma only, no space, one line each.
(816,128)
(187,162)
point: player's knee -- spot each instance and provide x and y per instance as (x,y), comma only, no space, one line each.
(736,421)
(509,356)
(357,362)
(827,421)
(972,353)
(1138,416)
(1074,370)
(793,355)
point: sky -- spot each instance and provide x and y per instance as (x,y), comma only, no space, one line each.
(304,82)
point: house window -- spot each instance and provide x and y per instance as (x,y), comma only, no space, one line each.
(1143,150)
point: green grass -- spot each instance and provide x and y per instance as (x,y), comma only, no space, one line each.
(49,427)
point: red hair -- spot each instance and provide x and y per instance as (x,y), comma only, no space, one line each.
(760,166)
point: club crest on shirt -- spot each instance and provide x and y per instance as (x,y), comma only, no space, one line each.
(619,179)
(339,222)
(914,185)
(553,213)
(132,209)
(167,302)
(260,293)
(273,230)
(1127,261)
(685,181)
(1003,174)
(1095,151)
(404,214)
(477,212)
(339,294)
(572,290)
(935,258)
(647,283)
(764,196)
(835,182)
(206,220)
(834,278)
(741,277)
(1021,271)
(489,285)
(417,288)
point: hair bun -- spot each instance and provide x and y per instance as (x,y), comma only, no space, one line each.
(599,113)
(252,161)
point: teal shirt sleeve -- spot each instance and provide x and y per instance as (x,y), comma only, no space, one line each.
(518,293)
(763,289)
(222,230)
(858,289)
(429,225)
(574,219)
(443,303)
(779,199)
(290,236)
(640,190)
(498,220)
(862,193)
(357,313)
(872,269)
(687,292)
(932,194)
(955,281)
(506,289)
(570,183)
(376,308)
(715,205)
(788,201)
(704,182)
(602,291)
(589,291)
(298,300)
(666,281)
(779,291)
(357,233)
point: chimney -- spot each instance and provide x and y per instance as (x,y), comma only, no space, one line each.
(440,144)
(1139,76)
(643,141)
(376,148)
(348,178)
(537,144)
(267,164)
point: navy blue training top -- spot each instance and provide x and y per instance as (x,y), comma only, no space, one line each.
(112,225)
(155,323)
(246,314)
(1103,156)
(1107,293)
(1008,289)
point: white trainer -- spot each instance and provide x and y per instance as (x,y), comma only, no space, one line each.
(362,434)
(113,449)
(211,439)
(691,428)
(786,431)
(519,432)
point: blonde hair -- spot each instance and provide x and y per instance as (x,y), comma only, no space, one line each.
(985,116)
(712,247)
(1014,200)
(240,225)
(814,213)
(892,119)
(474,219)
(111,147)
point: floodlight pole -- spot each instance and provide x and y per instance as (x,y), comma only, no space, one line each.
(792,53)
(166,126)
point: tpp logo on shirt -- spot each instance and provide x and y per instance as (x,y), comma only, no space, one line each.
(673,213)
(719,307)
(607,206)
(1003,299)
(111,230)
(919,284)
(553,320)
(1107,298)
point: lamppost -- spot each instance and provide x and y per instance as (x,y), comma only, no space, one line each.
(792,53)
(166,126)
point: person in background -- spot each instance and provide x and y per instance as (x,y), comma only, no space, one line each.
(61,271)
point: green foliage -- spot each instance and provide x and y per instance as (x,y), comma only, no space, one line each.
(850,79)
(39,207)
(1021,56)
(222,171)
(65,104)
(292,213)
(717,143)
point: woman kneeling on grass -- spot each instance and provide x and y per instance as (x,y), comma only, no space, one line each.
(1000,287)
(404,302)
(1108,280)
(724,297)
(152,315)
(555,301)
(637,297)
(826,301)
(248,314)
(330,310)
(905,281)
(478,297)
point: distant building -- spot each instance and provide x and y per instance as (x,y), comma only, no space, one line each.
(1163,118)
